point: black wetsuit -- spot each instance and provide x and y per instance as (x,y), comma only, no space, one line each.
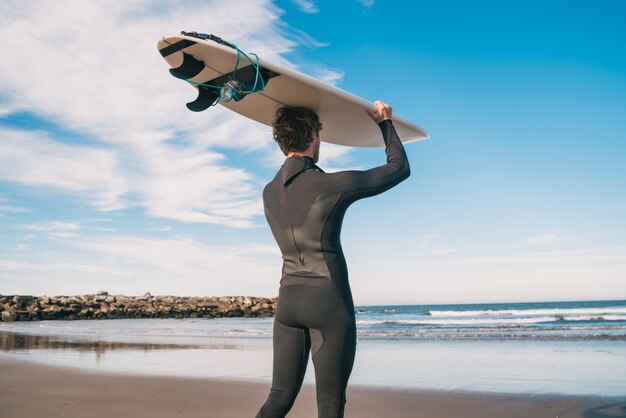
(304,207)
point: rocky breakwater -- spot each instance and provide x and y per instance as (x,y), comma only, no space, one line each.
(104,306)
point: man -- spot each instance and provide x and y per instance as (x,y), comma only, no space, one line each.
(304,207)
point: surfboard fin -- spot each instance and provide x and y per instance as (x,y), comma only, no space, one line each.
(206,98)
(190,67)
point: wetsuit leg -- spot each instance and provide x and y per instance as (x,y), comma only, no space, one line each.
(292,345)
(333,345)
(321,320)
(333,364)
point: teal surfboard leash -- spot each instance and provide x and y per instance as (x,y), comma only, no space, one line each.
(231,89)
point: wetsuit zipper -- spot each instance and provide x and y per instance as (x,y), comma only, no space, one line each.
(293,234)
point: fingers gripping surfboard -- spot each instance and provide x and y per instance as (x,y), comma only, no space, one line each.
(255,88)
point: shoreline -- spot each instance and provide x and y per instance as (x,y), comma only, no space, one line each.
(587,368)
(33,389)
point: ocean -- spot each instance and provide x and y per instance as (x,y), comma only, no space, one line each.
(543,348)
(558,321)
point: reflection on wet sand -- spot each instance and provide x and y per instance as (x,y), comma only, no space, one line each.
(13,341)
(203,357)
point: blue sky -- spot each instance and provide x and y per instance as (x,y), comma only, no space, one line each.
(107,182)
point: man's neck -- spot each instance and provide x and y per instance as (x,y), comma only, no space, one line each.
(301,154)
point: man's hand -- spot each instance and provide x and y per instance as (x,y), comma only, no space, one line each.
(382,112)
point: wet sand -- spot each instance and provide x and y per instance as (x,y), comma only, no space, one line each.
(33,389)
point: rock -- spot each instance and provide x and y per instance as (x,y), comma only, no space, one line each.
(22,301)
(103,306)
(103,292)
(123,299)
(8,316)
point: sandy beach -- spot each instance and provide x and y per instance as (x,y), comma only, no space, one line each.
(33,389)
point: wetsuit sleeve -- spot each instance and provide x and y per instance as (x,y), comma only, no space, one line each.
(359,184)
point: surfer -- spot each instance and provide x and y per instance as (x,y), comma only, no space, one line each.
(304,207)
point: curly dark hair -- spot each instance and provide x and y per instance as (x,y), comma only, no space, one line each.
(294,128)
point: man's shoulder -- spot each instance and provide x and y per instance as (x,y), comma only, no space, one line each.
(271,183)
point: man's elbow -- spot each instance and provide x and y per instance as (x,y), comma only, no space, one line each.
(406,170)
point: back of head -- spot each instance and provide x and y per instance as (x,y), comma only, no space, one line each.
(294,128)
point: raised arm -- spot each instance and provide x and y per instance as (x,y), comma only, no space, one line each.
(359,184)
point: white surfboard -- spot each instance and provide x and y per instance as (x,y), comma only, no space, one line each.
(212,61)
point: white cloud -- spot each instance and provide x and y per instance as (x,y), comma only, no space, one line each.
(32,158)
(306,6)
(13,209)
(587,255)
(59,268)
(423,241)
(93,67)
(483,276)
(327,75)
(116,84)
(103,229)
(9,265)
(334,157)
(552,237)
(183,256)
(367,3)
(167,228)
(134,265)
(52,226)
(441,251)
(427,245)
(544,238)
(55,229)
(303,38)
(64,234)
(197,188)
